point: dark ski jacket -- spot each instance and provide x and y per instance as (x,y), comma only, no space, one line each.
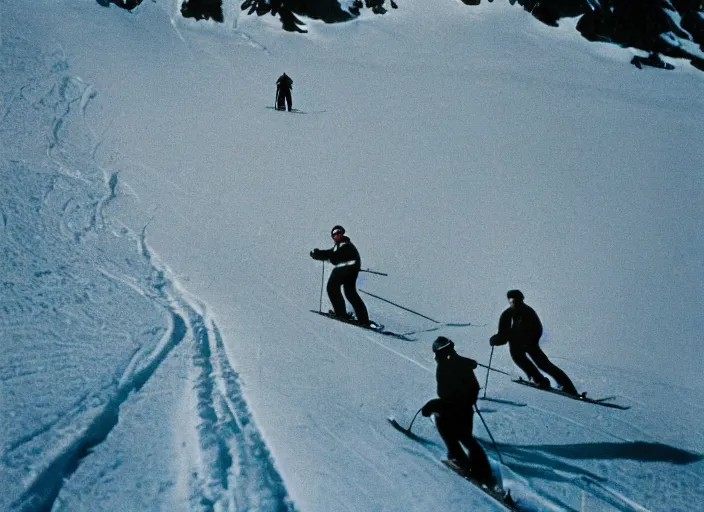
(458,387)
(521,325)
(284,83)
(344,255)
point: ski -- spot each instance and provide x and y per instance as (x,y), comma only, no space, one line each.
(499,495)
(582,397)
(296,111)
(408,433)
(375,327)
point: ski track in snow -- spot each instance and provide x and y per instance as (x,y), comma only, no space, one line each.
(240,473)
(117,334)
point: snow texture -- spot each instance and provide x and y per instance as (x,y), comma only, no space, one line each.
(156,218)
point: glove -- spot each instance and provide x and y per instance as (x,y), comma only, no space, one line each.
(315,254)
(495,341)
(431,407)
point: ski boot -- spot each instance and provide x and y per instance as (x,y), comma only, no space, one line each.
(542,383)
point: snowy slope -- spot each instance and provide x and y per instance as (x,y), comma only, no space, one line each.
(157,217)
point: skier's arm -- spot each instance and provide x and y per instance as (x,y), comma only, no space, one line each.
(433,406)
(321,254)
(501,338)
(345,253)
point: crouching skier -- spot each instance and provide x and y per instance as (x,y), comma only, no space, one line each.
(458,390)
(520,327)
(347,262)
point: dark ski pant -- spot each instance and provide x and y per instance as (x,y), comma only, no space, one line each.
(456,429)
(283,99)
(346,278)
(521,351)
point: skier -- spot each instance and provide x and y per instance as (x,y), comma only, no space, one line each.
(345,258)
(458,390)
(520,327)
(283,92)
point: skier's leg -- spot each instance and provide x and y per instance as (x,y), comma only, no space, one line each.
(481,469)
(479,462)
(360,309)
(540,359)
(447,429)
(335,294)
(289,101)
(518,354)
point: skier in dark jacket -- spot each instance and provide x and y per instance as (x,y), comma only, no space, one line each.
(458,390)
(347,262)
(520,327)
(283,92)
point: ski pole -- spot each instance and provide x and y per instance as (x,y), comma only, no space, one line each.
(493,369)
(486,382)
(322,280)
(489,431)
(399,306)
(407,431)
(414,419)
(373,272)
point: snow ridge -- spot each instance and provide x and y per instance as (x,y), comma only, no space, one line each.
(239,473)
(110,314)
(104,412)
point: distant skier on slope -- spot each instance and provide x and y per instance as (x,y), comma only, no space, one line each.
(347,262)
(283,92)
(458,390)
(520,327)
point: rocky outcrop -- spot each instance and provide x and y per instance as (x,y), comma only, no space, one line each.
(329,11)
(202,10)
(673,28)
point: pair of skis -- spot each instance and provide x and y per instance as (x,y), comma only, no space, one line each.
(373,326)
(582,397)
(498,494)
(297,111)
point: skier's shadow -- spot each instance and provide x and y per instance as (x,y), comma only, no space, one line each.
(547,462)
(296,111)
(634,450)
(503,402)
(529,462)
(541,460)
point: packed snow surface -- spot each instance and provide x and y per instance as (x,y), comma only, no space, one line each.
(156,219)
